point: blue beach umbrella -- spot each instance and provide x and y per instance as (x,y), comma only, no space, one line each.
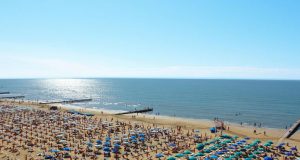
(172,145)
(67,149)
(288,153)
(268,158)
(159,155)
(214,157)
(54,150)
(106,149)
(99,142)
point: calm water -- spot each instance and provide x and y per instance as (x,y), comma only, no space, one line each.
(272,103)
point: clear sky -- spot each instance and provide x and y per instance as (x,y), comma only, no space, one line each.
(257,39)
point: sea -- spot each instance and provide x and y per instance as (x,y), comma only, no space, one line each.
(271,103)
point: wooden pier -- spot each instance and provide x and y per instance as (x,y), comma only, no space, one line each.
(290,131)
(4,92)
(68,101)
(137,111)
(12,97)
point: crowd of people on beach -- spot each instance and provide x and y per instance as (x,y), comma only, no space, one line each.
(39,133)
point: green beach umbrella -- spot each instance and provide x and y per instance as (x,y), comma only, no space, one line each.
(252,156)
(171,158)
(267,144)
(207,151)
(257,140)
(200,146)
(200,154)
(179,155)
(270,142)
(261,149)
(192,158)
(187,152)
(213,148)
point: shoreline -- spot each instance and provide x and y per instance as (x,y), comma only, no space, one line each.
(187,123)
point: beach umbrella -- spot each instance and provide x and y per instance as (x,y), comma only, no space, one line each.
(107,138)
(232,156)
(106,149)
(247,158)
(159,155)
(294,148)
(288,153)
(235,137)
(54,150)
(187,152)
(171,158)
(261,149)
(48,157)
(207,151)
(247,138)
(179,155)
(214,157)
(227,159)
(192,158)
(252,156)
(237,154)
(99,142)
(267,144)
(226,136)
(172,145)
(219,153)
(67,149)
(142,139)
(269,141)
(200,154)
(89,144)
(268,158)
(213,148)
(200,146)
(117,146)
(213,130)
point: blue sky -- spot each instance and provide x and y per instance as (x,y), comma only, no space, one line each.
(160,39)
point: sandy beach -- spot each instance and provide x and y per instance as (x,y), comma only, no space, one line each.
(104,125)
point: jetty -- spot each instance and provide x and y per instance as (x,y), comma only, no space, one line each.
(12,97)
(68,101)
(4,92)
(137,111)
(290,131)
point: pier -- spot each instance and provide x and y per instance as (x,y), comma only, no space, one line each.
(290,131)
(137,111)
(4,92)
(68,101)
(12,97)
